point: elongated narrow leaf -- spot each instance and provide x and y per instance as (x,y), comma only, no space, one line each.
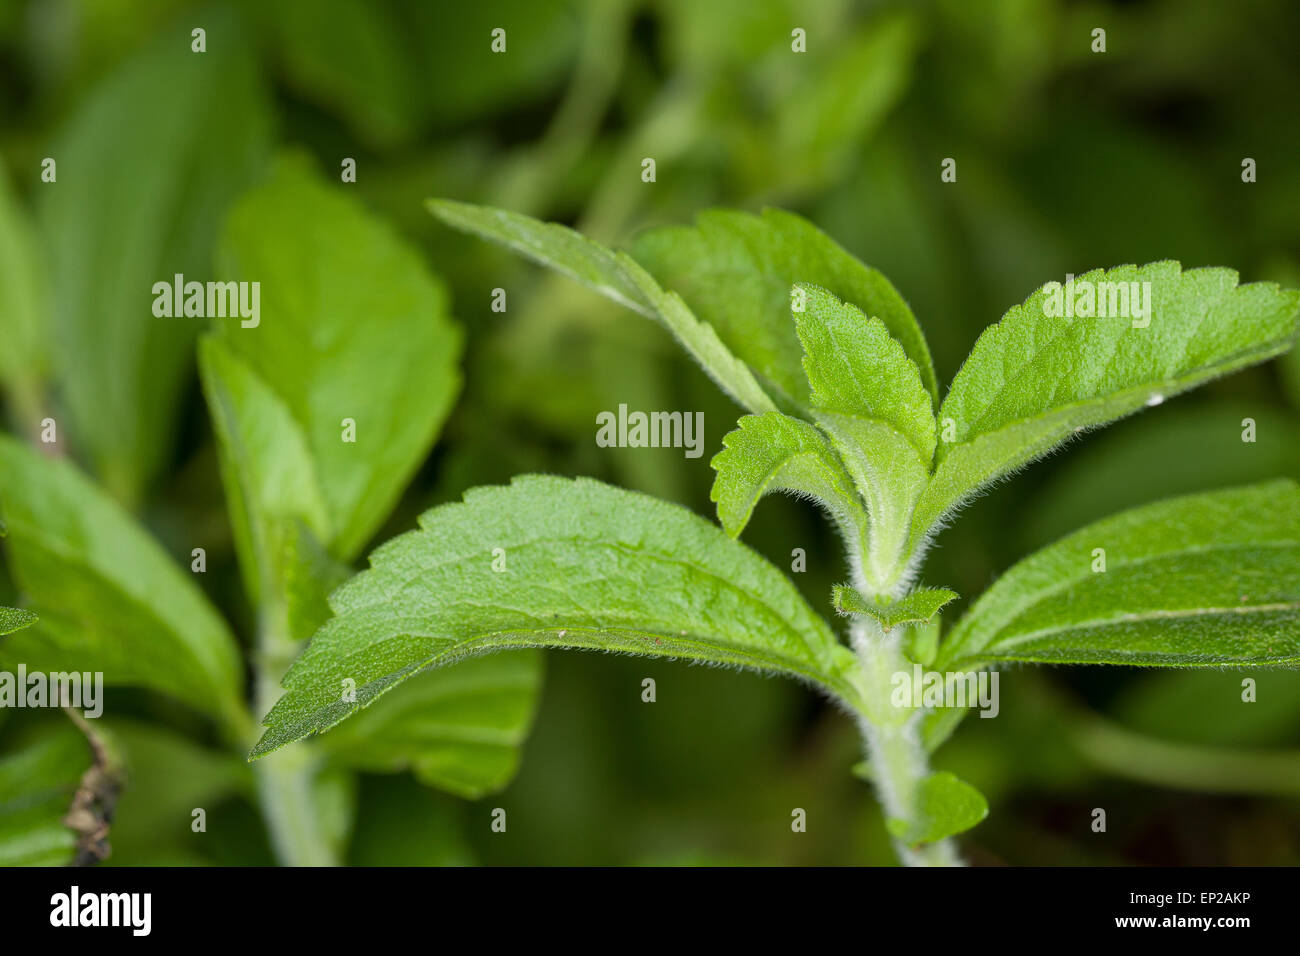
(458,728)
(1206,580)
(917,607)
(37,783)
(736,271)
(146,169)
(108,597)
(615,276)
(1040,376)
(945,806)
(551,562)
(775,452)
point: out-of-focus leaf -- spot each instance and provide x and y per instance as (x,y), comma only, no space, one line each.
(1201,581)
(945,806)
(736,270)
(1210,707)
(1178,450)
(1185,766)
(385,67)
(586,566)
(1035,379)
(167,777)
(400,823)
(146,168)
(458,728)
(109,598)
(353,327)
(615,276)
(37,783)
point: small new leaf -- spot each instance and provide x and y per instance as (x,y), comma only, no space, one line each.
(109,598)
(353,326)
(582,565)
(855,368)
(917,607)
(456,728)
(945,806)
(775,452)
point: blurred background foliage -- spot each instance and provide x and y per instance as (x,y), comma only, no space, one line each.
(1067,160)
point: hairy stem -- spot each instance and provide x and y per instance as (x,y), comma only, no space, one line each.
(898,759)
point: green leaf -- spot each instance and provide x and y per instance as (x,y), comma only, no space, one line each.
(615,276)
(353,326)
(1205,580)
(945,806)
(146,169)
(855,368)
(15,619)
(24,305)
(167,775)
(917,607)
(868,396)
(109,598)
(736,271)
(1034,380)
(37,783)
(400,823)
(775,452)
(585,565)
(458,728)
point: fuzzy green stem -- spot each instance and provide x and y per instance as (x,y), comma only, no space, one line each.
(898,759)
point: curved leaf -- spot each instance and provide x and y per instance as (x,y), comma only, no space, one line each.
(146,169)
(578,564)
(945,806)
(109,598)
(353,326)
(1037,378)
(615,276)
(457,728)
(775,452)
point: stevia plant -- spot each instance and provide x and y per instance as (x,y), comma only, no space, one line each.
(322,414)
(842,406)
